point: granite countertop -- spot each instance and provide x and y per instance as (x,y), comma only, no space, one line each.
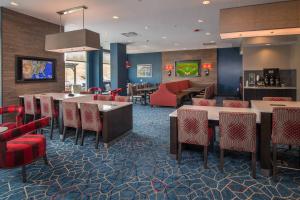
(270,88)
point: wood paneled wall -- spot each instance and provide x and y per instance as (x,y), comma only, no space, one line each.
(25,35)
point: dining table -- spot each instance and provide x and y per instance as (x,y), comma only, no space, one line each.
(116,117)
(146,91)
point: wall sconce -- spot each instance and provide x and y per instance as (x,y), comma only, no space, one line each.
(127,64)
(207,67)
(169,68)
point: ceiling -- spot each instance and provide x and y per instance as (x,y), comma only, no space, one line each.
(161,25)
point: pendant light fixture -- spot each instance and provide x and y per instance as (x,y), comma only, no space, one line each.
(71,41)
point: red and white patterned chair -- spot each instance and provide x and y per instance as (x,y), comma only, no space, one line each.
(90,120)
(19,147)
(19,117)
(123,98)
(101,97)
(277,99)
(238,133)
(48,110)
(204,102)
(31,108)
(286,130)
(95,90)
(235,104)
(193,129)
(71,117)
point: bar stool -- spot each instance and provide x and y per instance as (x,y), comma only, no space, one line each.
(123,98)
(102,97)
(90,119)
(193,129)
(277,99)
(238,132)
(286,130)
(235,104)
(71,117)
(31,107)
(204,102)
(48,110)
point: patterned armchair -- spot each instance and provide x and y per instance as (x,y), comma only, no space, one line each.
(101,97)
(95,90)
(115,92)
(31,107)
(238,132)
(48,110)
(19,147)
(286,130)
(235,104)
(19,117)
(122,98)
(277,99)
(193,129)
(204,102)
(71,117)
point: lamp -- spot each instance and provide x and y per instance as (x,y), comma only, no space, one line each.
(169,68)
(206,67)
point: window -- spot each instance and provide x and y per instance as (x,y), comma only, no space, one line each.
(106,67)
(75,70)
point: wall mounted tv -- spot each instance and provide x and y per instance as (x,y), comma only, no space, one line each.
(33,69)
(188,68)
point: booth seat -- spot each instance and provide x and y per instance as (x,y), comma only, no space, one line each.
(170,94)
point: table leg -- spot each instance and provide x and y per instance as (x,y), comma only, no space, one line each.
(60,119)
(265,139)
(173,135)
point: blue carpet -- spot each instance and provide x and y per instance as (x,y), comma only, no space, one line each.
(139,166)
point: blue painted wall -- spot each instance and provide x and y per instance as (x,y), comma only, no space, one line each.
(230,69)
(145,58)
(95,69)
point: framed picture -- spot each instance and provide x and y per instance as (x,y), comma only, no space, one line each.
(144,70)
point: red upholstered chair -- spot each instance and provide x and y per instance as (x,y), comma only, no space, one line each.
(95,90)
(18,147)
(31,107)
(235,104)
(90,120)
(71,117)
(238,132)
(204,102)
(122,98)
(115,92)
(13,109)
(286,130)
(193,129)
(102,97)
(277,99)
(48,110)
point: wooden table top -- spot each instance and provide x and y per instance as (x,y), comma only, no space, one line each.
(267,106)
(194,89)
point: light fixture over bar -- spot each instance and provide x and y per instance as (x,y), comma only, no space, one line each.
(72,10)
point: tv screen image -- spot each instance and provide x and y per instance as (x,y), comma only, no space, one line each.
(187,68)
(37,69)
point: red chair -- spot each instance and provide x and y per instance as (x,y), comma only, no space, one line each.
(101,97)
(238,133)
(193,129)
(18,147)
(204,102)
(277,99)
(235,104)
(115,93)
(95,90)
(71,117)
(48,110)
(31,107)
(90,120)
(123,98)
(19,117)
(286,130)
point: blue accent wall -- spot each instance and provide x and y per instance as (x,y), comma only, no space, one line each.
(145,58)
(95,68)
(230,69)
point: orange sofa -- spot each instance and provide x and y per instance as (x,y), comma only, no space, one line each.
(170,94)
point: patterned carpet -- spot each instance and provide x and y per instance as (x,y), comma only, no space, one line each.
(139,167)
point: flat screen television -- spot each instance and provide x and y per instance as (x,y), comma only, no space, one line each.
(31,69)
(188,68)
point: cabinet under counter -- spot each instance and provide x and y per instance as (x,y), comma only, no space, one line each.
(257,93)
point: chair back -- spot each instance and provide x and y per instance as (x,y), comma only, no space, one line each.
(71,115)
(204,102)
(30,105)
(122,98)
(102,97)
(90,117)
(193,126)
(286,126)
(235,104)
(47,106)
(94,90)
(238,131)
(277,99)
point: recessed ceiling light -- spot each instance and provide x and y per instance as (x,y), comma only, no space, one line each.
(146,27)
(164,37)
(200,20)
(176,44)
(212,41)
(14,3)
(208,33)
(116,17)
(184,48)
(268,44)
(205,2)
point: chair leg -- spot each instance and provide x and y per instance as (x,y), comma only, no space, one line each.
(76,136)
(52,124)
(64,133)
(253,164)
(179,153)
(274,161)
(221,160)
(97,140)
(25,118)
(46,159)
(82,137)
(205,157)
(24,174)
